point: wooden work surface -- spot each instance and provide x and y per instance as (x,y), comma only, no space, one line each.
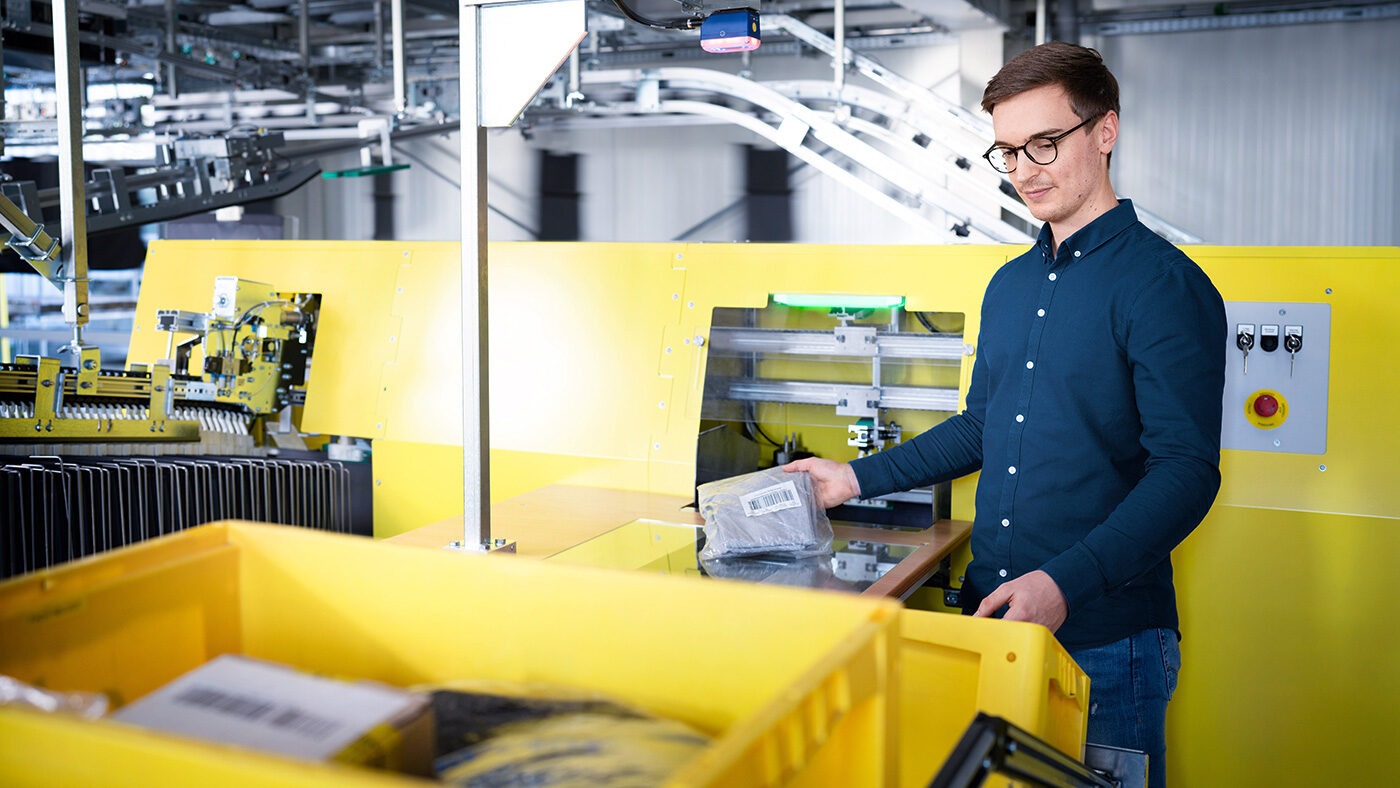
(552,519)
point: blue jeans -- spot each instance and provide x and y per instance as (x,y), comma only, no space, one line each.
(1130,683)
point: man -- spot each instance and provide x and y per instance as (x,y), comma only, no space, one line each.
(1093,411)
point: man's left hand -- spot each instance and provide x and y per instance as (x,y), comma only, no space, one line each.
(1032,597)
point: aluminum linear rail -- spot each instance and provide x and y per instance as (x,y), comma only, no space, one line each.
(938,347)
(800,392)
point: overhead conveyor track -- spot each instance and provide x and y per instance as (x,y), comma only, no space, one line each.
(909,151)
(815,137)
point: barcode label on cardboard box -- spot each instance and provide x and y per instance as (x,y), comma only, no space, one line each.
(287,718)
(770,499)
(270,707)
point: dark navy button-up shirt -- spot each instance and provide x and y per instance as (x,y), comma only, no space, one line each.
(1094,416)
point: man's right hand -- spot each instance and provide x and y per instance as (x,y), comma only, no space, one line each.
(833,482)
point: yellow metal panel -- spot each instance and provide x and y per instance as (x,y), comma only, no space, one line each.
(356,281)
(668,548)
(1362,285)
(1284,589)
(420,483)
(1289,658)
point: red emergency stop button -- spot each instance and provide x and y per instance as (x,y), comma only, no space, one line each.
(1266,409)
(1266,406)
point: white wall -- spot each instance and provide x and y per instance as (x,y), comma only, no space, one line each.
(1268,136)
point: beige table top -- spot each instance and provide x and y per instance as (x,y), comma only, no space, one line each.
(552,519)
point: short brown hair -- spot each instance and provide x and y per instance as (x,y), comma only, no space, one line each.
(1079,70)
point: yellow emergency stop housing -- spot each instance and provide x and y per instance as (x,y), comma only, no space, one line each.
(1258,405)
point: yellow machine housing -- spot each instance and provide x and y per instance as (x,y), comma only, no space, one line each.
(253,352)
(598,361)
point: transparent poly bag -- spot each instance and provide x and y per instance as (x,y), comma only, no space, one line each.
(14,692)
(493,734)
(770,511)
(814,571)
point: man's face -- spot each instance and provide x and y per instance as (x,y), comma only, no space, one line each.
(1069,186)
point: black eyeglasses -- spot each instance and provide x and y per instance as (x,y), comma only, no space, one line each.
(1040,150)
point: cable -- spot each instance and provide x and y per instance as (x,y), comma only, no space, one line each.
(925,321)
(690,23)
(248,314)
(755,431)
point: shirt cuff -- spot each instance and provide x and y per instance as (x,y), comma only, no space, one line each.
(870,471)
(1078,576)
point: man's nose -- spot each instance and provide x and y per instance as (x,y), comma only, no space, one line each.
(1026,170)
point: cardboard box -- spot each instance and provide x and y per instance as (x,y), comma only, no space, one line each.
(276,709)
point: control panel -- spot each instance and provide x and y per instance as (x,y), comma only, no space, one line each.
(1276,376)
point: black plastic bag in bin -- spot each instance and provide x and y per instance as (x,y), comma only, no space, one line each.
(770,511)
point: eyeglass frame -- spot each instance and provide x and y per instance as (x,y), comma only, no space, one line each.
(1019,149)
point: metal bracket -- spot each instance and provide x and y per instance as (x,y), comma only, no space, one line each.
(857,341)
(858,401)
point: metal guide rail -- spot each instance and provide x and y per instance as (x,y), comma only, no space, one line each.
(845,340)
(42,401)
(841,395)
(56,509)
(945,347)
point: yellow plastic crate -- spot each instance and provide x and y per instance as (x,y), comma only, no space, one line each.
(795,686)
(953,666)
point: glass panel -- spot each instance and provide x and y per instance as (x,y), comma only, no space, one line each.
(671,548)
(786,382)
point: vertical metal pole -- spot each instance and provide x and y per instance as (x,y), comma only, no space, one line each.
(1041,9)
(171,88)
(379,35)
(400,67)
(1067,21)
(72,205)
(839,35)
(476,440)
(304,35)
(2,142)
(574,84)
(304,39)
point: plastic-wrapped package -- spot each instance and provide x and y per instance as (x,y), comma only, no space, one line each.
(14,692)
(497,738)
(578,749)
(771,511)
(809,572)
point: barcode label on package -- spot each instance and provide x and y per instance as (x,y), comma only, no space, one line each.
(770,499)
(289,719)
(269,707)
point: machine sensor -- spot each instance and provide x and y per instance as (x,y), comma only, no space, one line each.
(733,30)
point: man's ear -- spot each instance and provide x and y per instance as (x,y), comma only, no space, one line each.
(1107,132)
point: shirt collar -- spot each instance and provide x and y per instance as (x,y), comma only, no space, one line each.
(1091,236)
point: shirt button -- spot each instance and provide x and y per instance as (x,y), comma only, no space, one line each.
(1040,313)
(1002,573)
(1053,277)
(1005,523)
(1076,252)
(1020,418)
(1011,470)
(1030,365)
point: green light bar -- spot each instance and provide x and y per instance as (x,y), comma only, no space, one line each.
(838,300)
(360,172)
